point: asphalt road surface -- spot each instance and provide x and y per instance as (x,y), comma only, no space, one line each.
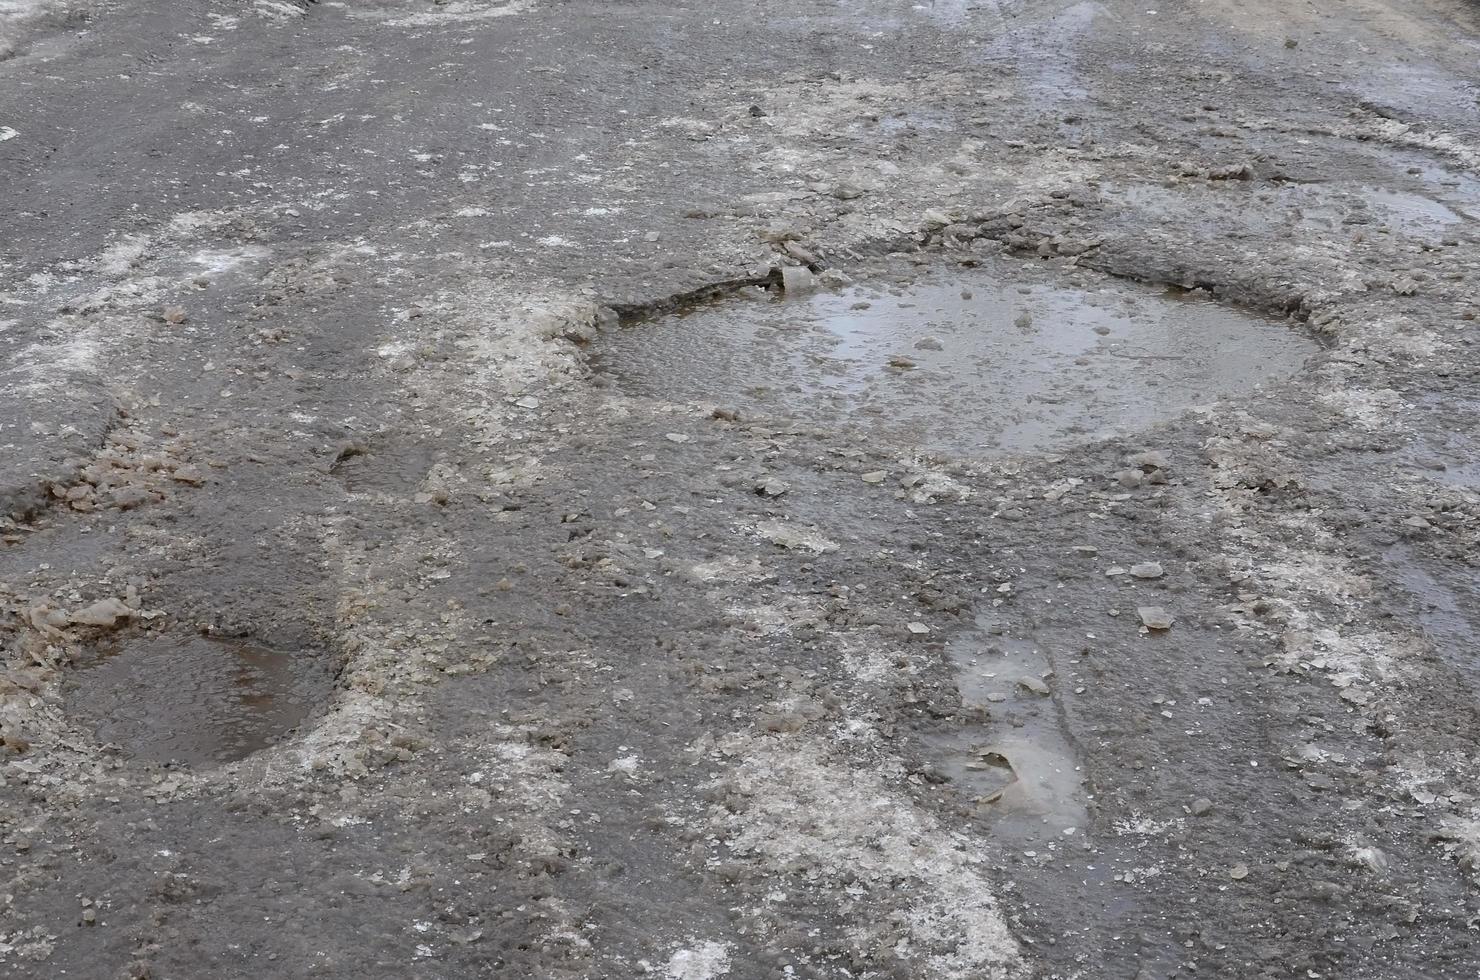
(698,490)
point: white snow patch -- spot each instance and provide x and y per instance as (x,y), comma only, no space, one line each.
(704,962)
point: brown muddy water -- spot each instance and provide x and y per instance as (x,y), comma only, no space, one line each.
(196,701)
(972,364)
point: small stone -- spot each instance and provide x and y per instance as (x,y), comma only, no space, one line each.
(1147,569)
(1034,684)
(1238,872)
(1024,320)
(877,476)
(188,475)
(651,236)
(127,498)
(1155,617)
(902,362)
(1201,806)
(928,343)
(917,628)
(678,437)
(934,219)
(175,314)
(528,401)
(771,487)
(1150,460)
(847,192)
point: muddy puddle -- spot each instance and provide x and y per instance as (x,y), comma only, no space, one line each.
(1018,766)
(979,362)
(196,701)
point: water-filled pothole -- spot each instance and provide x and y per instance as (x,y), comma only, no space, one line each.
(973,363)
(196,701)
(1020,767)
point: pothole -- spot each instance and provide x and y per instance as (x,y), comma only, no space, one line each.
(973,363)
(196,701)
(384,467)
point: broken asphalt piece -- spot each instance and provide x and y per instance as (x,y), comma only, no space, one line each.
(105,613)
(796,279)
(990,758)
(771,487)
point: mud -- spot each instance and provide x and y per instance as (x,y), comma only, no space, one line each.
(982,362)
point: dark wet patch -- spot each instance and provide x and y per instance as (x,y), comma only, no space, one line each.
(196,701)
(975,363)
(1429,209)
(381,466)
(1445,603)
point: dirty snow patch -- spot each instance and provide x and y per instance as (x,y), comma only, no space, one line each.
(798,802)
(459,11)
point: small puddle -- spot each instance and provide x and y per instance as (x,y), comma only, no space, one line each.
(974,364)
(1330,207)
(196,701)
(1019,765)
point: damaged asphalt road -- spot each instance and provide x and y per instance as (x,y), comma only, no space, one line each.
(374,606)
